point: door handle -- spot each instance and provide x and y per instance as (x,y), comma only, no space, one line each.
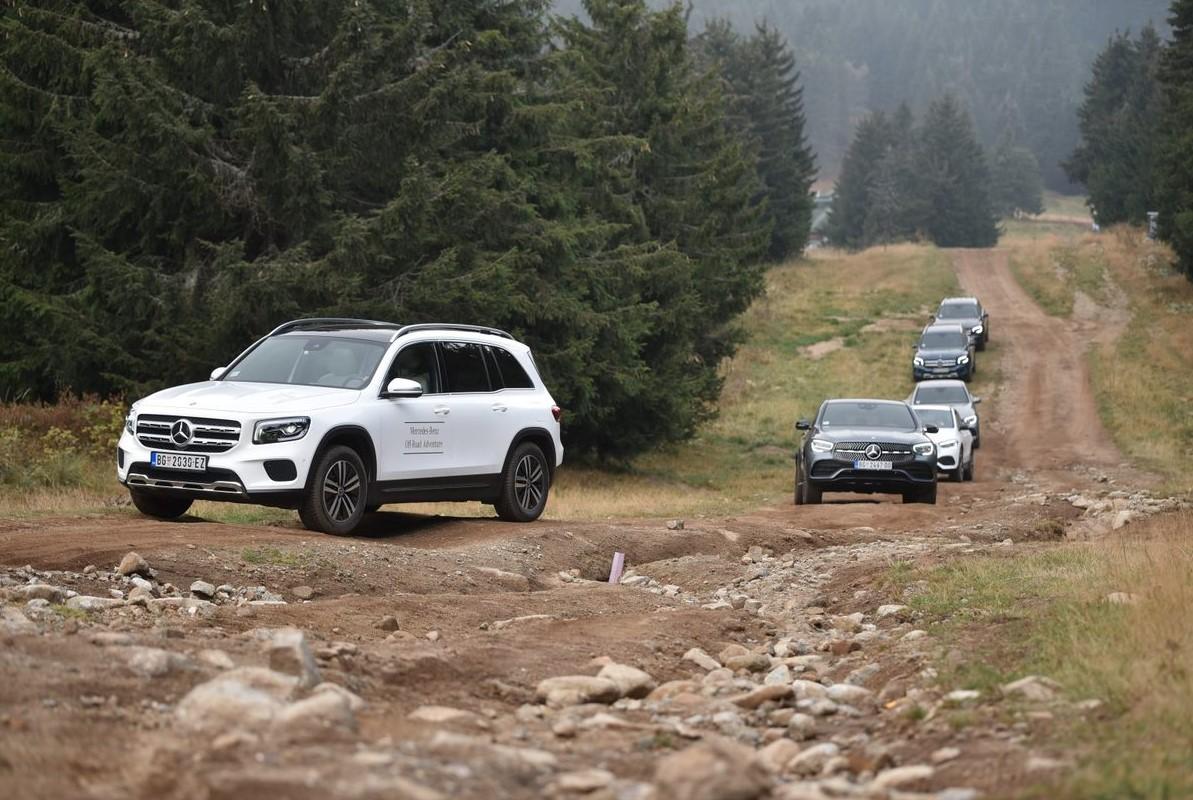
(442,411)
(499,407)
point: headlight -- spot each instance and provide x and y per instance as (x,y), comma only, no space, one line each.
(976,329)
(962,361)
(287,429)
(130,421)
(948,444)
(924,448)
(822,446)
(972,419)
(919,362)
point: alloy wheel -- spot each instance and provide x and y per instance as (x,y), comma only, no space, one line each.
(341,490)
(530,482)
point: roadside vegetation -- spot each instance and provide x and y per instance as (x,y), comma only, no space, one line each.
(1141,378)
(1108,621)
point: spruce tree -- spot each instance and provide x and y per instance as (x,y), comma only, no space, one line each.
(1015,181)
(851,198)
(1174,176)
(956,179)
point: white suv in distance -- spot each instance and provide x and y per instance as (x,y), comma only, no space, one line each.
(337,417)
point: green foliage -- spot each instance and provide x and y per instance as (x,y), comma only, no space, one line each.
(1119,119)
(1174,175)
(1015,182)
(899,182)
(177,178)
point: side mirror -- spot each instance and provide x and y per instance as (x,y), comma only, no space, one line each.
(403,388)
(975,400)
(218,373)
(931,429)
(803,425)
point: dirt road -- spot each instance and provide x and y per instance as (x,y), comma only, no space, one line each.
(466,617)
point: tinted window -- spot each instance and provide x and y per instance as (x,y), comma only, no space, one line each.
(510,371)
(944,340)
(934,395)
(311,361)
(867,415)
(464,367)
(938,417)
(417,363)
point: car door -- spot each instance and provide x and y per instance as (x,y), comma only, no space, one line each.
(965,436)
(419,439)
(474,419)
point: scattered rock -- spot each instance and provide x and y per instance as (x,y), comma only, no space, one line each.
(630,681)
(897,777)
(1033,688)
(1122,598)
(962,696)
(675,525)
(945,754)
(440,715)
(780,675)
(203,590)
(715,769)
(763,694)
(389,623)
(812,760)
(216,658)
(584,781)
(152,662)
(228,703)
(574,690)
(133,564)
(39,591)
(751,662)
(314,718)
(289,654)
(776,755)
(892,610)
(850,695)
(911,636)
(84,602)
(355,701)
(701,659)
(302,592)
(12,621)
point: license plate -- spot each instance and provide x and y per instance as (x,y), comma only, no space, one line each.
(874,465)
(178,461)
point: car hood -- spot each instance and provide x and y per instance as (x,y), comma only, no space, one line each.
(871,435)
(944,435)
(249,398)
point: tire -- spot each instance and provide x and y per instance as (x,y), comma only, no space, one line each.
(525,485)
(981,345)
(957,475)
(967,474)
(159,505)
(813,496)
(926,495)
(799,487)
(977,441)
(334,500)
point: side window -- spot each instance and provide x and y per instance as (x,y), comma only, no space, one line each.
(416,362)
(464,367)
(512,374)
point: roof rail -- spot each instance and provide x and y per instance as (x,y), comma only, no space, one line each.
(314,323)
(329,322)
(434,326)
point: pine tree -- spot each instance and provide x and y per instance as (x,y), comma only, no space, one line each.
(1174,175)
(956,179)
(1119,118)
(1015,181)
(851,198)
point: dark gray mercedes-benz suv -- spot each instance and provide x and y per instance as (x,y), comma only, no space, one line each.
(869,446)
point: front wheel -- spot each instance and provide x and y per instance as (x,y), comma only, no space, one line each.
(969,468)
(957,475)
(334,501)
(159,505)
(525,485)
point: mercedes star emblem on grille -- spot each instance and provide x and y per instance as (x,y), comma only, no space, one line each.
(181,432)
(873,452)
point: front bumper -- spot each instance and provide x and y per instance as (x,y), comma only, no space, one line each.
(238,475)
(930,373)
(830,474)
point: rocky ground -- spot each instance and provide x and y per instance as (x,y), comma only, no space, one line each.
(764,655)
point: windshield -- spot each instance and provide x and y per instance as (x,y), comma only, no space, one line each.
(311,361)
(944,340)
(867,415)
(957,311)
(936,416)
(932,395)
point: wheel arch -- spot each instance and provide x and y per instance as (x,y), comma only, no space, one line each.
(539,436)
(353,436)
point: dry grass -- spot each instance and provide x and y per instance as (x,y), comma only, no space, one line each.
(1046,613)
(1053,268)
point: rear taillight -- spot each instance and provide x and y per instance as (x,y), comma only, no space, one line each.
(557,412)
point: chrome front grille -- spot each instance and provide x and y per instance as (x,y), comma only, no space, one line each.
(940,362)
(207,435)
(856,451)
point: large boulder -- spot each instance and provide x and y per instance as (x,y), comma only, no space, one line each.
(575,690)
(630,681)
(714,769)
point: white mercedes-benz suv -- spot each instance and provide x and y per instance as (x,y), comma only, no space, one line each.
(337,417)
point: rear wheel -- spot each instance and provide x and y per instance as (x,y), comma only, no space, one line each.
(159,505)
(525,485)
(334,501)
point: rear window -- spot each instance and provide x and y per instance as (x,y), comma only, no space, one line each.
(510,374)
(464,367)
(958,311)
